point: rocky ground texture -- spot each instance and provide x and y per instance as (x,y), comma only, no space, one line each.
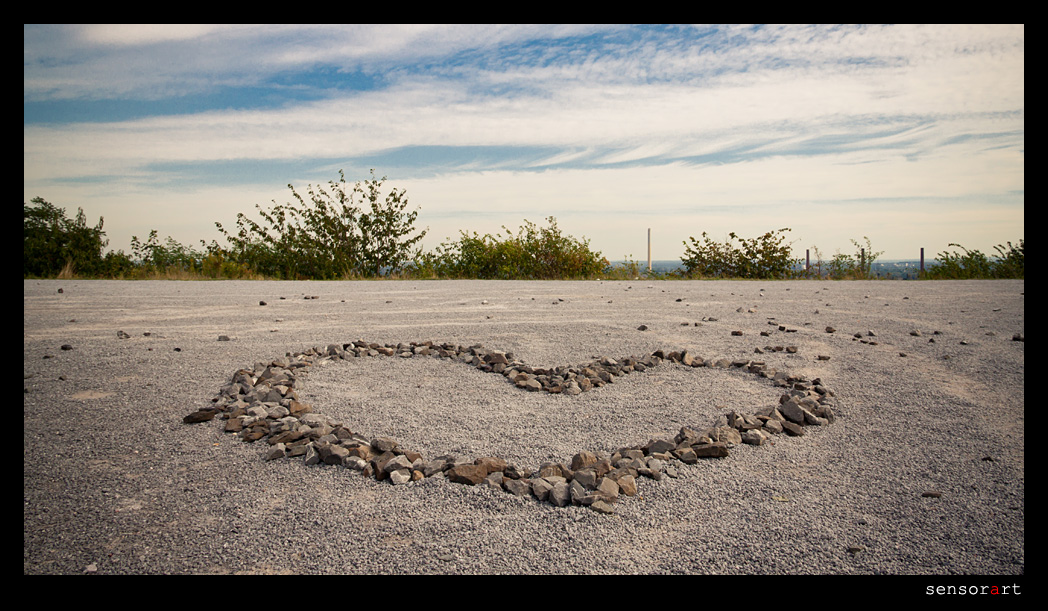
(912,464)
(261,404)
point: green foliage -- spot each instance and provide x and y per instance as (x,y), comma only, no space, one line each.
(1010,262)
(815,269)
(217,265)
(117,265)
(854,266)
(533,253)
(52,242)
(627,270)
(842,266)
(767,256)
(152,256)
(341,232)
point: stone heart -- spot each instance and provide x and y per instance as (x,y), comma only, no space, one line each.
(262,403)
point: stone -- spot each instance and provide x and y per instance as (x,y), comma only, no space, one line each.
(773,426)
(560,494)
(312,456)
(715,449)
(518,487)
(754,437)
(541,488)
(471,475)
(397,463)
(333,454)
(354,462)
(609,488)
(686,455)
(260,402)
(627,485)
(793,411)
(201,415)
(586,477)
(383,444)
(659,446)
(491,463)
(583,459)
(276,451)
(494,480)
(400,476)
(553,469)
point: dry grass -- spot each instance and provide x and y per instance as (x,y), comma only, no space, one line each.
(67,272)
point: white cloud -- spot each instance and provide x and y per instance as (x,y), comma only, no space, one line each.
(802,121)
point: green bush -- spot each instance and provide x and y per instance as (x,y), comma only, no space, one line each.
(53,243)
(1010,263)
(855,266)
(342,232)
(533,253)
(627,270)
(153,257)
(767,256)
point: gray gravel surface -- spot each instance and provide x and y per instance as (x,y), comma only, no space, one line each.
(114,482)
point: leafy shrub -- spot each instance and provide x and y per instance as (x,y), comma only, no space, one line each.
(856,266)
(52,242)
(627,270)
(815,270)
(533,253)
(152,257)
(117,265)
(339,233)
(767,256)
(1010,263)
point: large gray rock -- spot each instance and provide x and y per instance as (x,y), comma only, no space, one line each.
(400,476)
(541,488)
(518,487)
(560,494)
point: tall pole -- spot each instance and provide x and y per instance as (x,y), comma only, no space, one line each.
(649,249)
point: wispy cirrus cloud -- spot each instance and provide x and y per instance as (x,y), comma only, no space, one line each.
(824,114)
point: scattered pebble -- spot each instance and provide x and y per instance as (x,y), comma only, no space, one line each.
(261,403)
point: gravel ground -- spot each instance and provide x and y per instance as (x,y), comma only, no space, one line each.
(114,482)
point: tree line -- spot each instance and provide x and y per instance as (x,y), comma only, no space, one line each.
(360,230)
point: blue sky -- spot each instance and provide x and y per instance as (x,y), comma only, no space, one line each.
(911,135)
